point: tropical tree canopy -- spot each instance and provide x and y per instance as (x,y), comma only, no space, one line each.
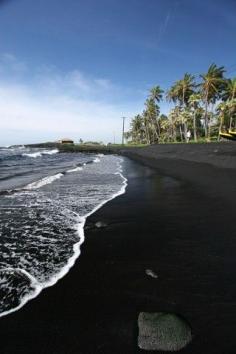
(229,90)
(203,106)
(213,83)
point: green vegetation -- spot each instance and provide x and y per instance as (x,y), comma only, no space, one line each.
(95,148)
(203,108)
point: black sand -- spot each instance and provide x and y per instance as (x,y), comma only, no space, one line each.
(183,229)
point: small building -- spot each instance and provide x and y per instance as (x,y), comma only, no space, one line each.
(66,141)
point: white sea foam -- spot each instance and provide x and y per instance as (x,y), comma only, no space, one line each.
(41,153)
(80,228)
(75,169)
(96,160)
(33,154)
(38,285)
(50,152)
(42,182)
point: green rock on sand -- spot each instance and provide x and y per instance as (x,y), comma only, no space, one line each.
(162,331)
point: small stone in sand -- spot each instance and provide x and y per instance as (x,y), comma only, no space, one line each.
(151,273)
(162,331)
(100,224)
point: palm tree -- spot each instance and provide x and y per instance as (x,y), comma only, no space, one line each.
(180,92)
(173,119)
(146,126)
(194,100)
(156,93)
(172,94)
(176,122)
(230,90)
(229,95)
(212,85)
(166,129)
(191,105)
(222,110)
(185,118)
(152,111)
(232,111)
(186,88)
(136,131)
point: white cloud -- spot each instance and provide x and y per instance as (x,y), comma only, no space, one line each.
(51,105)
(58,115)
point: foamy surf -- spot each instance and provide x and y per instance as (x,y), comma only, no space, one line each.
(41,153)
(62,206)
(29,287)
(33,154)
(50,152)
(75,169)
(43,181)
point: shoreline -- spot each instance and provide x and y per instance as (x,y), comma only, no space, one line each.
(162,223)
(182,161)
(211,171)
(39,287)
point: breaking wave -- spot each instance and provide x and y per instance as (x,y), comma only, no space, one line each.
(41,153)
(42,226)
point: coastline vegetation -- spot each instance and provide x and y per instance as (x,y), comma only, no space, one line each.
(204,107)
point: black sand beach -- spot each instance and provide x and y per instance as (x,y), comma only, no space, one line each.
(176,219)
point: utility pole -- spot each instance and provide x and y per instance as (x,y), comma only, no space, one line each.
(123,130)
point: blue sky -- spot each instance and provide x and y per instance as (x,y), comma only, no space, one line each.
(73,68)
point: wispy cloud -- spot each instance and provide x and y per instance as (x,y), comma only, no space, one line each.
(167,19)
(163,28)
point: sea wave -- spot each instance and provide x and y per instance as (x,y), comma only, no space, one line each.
(29,274)
(42,182)
(17,286)
(78,168)
(27,173)
(41,153)
(50,152)
(33,154)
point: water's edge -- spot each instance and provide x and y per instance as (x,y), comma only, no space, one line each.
(76,249)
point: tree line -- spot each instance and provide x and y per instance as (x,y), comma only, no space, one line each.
(204,106)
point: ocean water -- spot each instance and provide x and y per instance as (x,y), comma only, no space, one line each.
(45,198)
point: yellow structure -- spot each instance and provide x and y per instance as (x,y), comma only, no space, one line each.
(66,141)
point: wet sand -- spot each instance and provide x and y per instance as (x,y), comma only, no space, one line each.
(173,223)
